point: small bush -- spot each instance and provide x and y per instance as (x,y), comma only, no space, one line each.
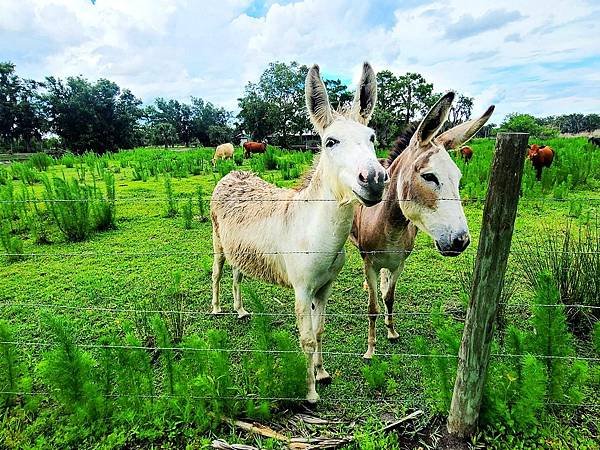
(68,160)
(171,206)
(67,370)
(573,261)
(104,207)
(13,245)
(41,161)
(202,204)
(187,213)
(9,367)
(69,205)
(375,373)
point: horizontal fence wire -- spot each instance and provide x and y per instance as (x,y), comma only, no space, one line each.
(293,200)
(258,253)
(267,351)
(258,314)
(323,399)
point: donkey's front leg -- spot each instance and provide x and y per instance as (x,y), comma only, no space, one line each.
(318,318)
(371,276)
(308,340)
(388,288)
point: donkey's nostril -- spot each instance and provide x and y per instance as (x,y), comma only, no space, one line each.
(362,178)
(386,177)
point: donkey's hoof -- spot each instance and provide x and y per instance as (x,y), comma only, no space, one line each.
(242,314)
(367,357)
(216,311)
(323,377)
(312,397)
(393,336)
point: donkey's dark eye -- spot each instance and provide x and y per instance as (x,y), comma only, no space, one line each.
(431,178)
(330,142)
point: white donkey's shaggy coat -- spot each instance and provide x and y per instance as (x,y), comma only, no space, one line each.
(281,236)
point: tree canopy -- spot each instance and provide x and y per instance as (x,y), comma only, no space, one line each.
(101,116)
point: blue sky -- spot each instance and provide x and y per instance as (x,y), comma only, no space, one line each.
(541,57)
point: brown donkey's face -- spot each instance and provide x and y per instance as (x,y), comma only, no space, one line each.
(428,183)
(430,186)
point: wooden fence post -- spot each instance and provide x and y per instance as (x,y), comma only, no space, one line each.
(488,279)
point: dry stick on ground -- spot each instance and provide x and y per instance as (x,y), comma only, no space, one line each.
(301,443)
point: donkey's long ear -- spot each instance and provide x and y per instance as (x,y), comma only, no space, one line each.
(435,118)
(366,95)
(317,101)
(463,132)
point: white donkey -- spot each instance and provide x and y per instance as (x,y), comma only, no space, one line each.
(281,236)
(423,194)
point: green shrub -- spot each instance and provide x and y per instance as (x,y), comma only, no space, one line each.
(68,160)
(551,338)
(4,176)
(187,213)
(267,372)
(375,373)
(202,204)
(41,161)
(67,371)
(24,172)
(171,206)
(9,367)
(69,205)
(573,261)
(105,207)
(13,245)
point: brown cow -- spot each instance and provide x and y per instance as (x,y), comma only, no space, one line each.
(540,157)
(466,153)
(251,147)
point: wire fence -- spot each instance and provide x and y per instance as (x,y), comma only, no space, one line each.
(275,352)
(183,348)
(259,314)
(286,200)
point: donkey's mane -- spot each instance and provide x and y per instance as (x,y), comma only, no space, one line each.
(401,143)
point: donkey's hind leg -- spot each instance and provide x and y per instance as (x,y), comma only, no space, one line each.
(217,271)
(237,294)
(388,288)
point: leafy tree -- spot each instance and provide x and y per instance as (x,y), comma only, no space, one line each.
(255,113)
(88,116)
(9,88)
(278,97)
(526,123)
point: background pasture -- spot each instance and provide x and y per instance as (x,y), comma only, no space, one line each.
(115,250)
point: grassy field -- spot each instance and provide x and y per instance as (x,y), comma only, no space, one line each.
(96,283)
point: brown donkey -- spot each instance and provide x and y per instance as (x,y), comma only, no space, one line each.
(423,194)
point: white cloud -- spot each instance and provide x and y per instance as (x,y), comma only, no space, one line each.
(178,48)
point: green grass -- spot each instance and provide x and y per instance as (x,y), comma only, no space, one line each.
(128,266)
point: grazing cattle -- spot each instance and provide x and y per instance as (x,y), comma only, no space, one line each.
(540,157)
(594,141)
(296,237)
(466,153)
(252,147)
(223,151)
(423,195)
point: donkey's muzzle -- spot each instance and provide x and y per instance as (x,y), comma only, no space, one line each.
(372,182)
(455,247)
